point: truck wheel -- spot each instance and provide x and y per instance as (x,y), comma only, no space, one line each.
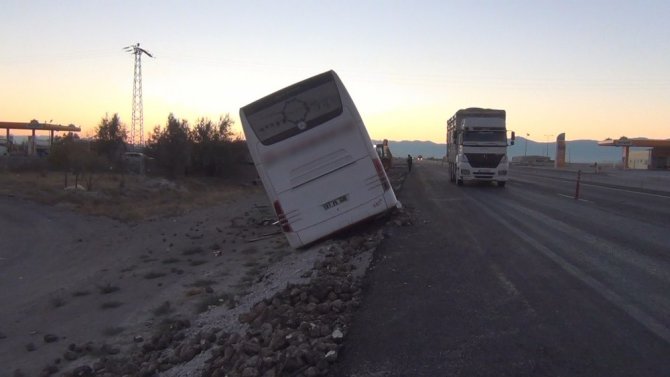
(501,183)
(459,182)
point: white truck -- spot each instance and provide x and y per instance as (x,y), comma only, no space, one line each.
(477,146)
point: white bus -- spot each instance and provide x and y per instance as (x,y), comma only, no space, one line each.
(315,159)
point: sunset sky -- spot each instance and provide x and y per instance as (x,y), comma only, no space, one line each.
(591,69)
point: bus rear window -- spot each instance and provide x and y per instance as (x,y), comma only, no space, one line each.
(295,109)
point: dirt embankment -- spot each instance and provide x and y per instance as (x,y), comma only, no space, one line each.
(211,289)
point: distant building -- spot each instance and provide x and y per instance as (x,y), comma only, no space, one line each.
(639,159)
(531,160)
(657,157)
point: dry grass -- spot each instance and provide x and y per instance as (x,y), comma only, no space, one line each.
(126,198)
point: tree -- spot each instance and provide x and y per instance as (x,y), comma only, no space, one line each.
(171,146)
(110,138)
(72,155)
(212,153)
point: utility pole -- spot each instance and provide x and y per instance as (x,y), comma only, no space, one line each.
(137,127)
(548,141)
(525,148)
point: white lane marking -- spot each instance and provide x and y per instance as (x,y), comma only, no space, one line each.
(628,191)
(568,180)
(572,197)
(638,314)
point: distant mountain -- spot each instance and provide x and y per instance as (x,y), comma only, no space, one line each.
(584,151)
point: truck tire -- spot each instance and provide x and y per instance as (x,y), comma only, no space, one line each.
(501,183)
(459,182)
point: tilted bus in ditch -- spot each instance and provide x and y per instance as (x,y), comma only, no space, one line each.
(315,159)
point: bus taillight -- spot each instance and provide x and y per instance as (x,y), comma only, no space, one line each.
(285,226)
(380,173)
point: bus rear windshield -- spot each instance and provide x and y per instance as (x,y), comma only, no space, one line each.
(295,109)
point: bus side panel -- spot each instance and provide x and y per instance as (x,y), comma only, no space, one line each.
(336,200)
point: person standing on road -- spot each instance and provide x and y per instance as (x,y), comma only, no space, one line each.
(409,162)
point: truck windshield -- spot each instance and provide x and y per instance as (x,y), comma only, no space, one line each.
(486,136)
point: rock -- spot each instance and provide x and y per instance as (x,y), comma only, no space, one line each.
(250,372)
(48,370)
(251,347)
(188,352)
(312,372)
(293,363)
(331,356)
(323,308)
(82,371)
(337,335)
(30,347)
(253,361)
(70,356)
(325,330)
(110,350)
(266,331)
(75,348)
(270,373)
(138,339)
(337,306)
(98,365)
(278,341)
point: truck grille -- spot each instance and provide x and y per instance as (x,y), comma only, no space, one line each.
(484,160)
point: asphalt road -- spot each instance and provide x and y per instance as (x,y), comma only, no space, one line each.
(517,281)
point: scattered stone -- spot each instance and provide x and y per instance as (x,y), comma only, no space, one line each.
(138,339)
(50,338)
(331,356)
(82,371)
(250,372)
(30,347)
(49,370)
(337,335)
(70,356)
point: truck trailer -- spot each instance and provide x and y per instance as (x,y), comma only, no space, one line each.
(477,146)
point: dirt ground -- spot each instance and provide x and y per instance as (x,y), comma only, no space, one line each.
(77,286)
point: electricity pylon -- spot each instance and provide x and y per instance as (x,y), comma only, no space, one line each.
(137,128)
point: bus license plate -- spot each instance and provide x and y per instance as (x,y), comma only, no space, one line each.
(335,202)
